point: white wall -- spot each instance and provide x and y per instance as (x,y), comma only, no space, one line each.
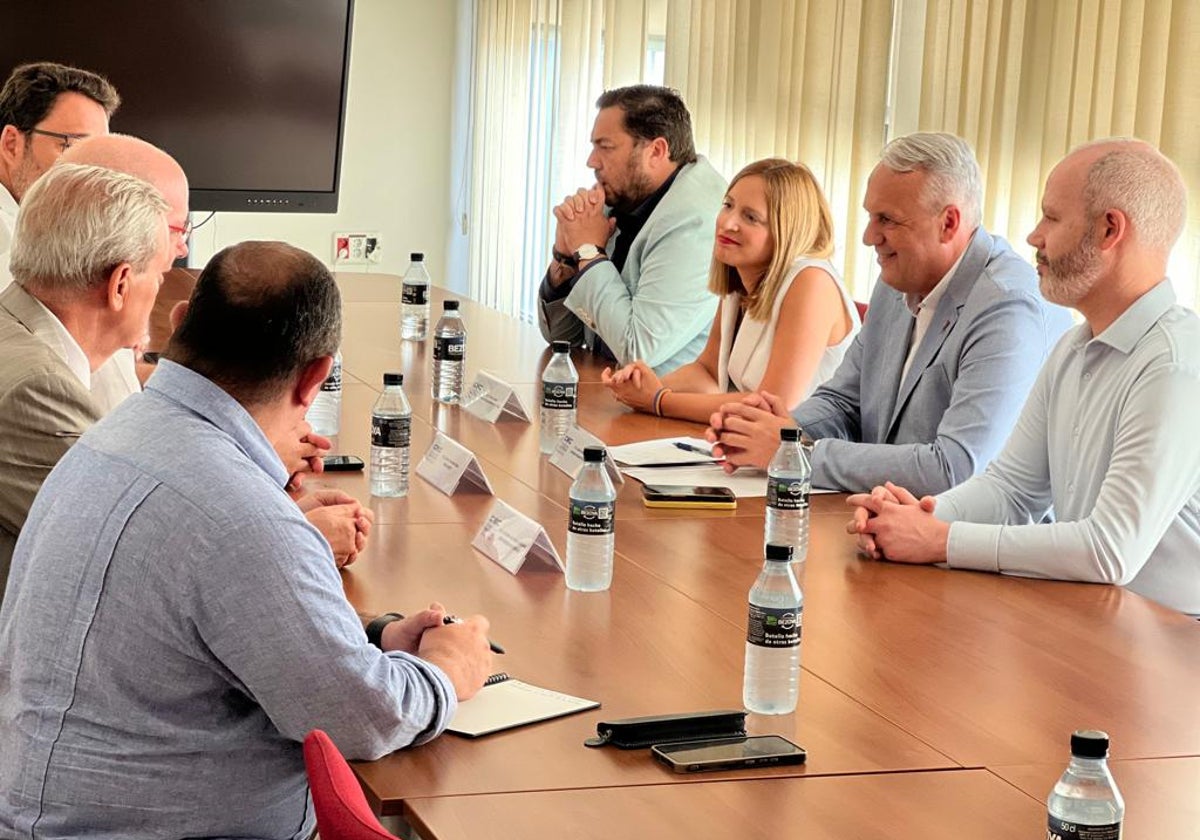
(396,152)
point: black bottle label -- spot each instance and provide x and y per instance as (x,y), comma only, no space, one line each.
(591,518)
(414,294)
(390,431)
(774,627)
(558,394)
(786,494)
(333,382)
(449,348)
(1063,830)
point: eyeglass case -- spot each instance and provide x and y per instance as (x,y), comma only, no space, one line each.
(639,732)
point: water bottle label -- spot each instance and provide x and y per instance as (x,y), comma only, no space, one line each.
(558,394)
(333,382)
(1064,830)
(390,431)
(591,518)
(414,294)
(449,349)
(787,494)
(774,627)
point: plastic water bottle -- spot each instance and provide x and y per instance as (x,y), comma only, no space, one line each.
(391,428)
(772,677)
(789,481)
(325,412)
(1085,802)
(560,388)
(414,300)
(590,536)
(449,354)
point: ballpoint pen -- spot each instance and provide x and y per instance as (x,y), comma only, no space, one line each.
(687,447)
(453,619)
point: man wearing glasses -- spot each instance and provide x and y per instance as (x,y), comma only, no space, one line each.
(44,109)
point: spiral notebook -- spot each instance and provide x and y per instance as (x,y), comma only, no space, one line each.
(504,703)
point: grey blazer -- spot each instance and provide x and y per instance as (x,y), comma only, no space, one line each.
(989,336)
(658,307)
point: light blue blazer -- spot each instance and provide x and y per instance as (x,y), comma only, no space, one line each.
(989,336)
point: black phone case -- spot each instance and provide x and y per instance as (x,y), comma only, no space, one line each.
(637,733)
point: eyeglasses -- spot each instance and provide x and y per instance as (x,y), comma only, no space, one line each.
(64,140)
(184,230)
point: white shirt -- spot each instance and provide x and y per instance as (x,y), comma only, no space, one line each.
(1108,440)
(922,309)
(8,221)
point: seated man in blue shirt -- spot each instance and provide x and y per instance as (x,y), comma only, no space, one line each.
(951,344)
(174,626)
(634,283)
(1107,439)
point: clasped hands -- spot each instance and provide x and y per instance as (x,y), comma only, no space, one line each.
(890,523)
(635,385)
(459,648)
(581,221)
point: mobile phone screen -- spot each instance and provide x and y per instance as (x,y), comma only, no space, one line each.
(753,751)
(340,463)
(687,493)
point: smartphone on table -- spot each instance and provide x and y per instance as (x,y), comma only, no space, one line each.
(685,496)
(342,463)
(729,753)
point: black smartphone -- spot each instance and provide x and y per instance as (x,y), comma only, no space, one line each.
(342,463)
(729,753)
(685,496)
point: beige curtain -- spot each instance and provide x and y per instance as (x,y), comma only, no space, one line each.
(1025,80)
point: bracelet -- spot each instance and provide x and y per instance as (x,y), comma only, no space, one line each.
(658,398)
(375,628)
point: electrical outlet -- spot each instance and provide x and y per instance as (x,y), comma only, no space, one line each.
(356,249)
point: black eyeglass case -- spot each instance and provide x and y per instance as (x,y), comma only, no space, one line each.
(636,733)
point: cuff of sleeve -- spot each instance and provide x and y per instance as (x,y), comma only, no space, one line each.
(973,545)
(445,700)
(550,294)
(600,259)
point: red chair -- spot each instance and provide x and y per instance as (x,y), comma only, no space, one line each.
(342,809)
(862,310)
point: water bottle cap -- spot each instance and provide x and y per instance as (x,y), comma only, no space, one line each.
(790,434)
(448,305)
(1089,743)
(416,256)
(593,454)
(560,346)
(393,379)
(779,552)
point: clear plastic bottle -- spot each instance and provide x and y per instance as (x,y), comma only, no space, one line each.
(391,428)
(414,300)
(789,481)
(449,354)
(1085,802)
(776,610)
(590,537)
(325,412)
(560,388)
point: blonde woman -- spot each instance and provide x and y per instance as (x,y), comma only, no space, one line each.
(785,319)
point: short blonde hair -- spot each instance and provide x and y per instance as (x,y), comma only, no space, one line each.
(1134,177)
(801,225)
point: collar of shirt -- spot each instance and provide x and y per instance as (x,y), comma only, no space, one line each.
(72,353)
(201,395)
(916,303)
(1124,333)
(8,204)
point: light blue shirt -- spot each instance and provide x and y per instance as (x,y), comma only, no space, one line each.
(1108,438)
(173,628)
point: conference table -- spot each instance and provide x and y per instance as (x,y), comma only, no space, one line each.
(933,703)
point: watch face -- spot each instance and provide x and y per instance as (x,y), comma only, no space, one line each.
(587,252)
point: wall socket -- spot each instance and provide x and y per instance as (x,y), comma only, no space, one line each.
(356,249)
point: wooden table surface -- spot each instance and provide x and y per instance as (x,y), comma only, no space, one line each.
(977,680)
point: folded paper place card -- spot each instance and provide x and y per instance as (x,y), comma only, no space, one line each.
(511,538)
(568,454)
(489,397)
(448,465)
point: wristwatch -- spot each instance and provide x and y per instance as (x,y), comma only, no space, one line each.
(375,628)
(587,251)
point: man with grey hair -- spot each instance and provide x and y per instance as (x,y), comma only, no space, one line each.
(954,337)
(1107,437)
(174,626)
(89,252)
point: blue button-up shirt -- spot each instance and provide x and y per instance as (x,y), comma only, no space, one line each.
(172,629)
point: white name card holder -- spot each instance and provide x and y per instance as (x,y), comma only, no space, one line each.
(512,539)
(568,454)
(448,465)
(490,397)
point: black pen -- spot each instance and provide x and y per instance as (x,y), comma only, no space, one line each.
(687,447)
(453,619)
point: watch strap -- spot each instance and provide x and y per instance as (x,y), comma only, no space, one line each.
(375,628)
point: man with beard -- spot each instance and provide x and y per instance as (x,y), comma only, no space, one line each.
(632,282)
(1105,439)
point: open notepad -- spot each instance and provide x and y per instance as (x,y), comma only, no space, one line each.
(503,703)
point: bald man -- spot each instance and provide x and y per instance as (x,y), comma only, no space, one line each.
(1106,439)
